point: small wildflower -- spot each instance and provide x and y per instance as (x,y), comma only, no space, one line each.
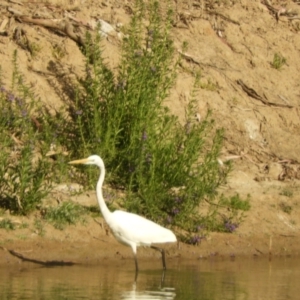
(148,158)
(188,127)
(177,199)
(169,219)
(144,136)
(195,240)
(138,53)
(131,169)
(175,211)
(150,32)
(2,89)
(78,112)
(24,113)
(31,145)
(230,227)
(200,227)
(121,84)
(10,97)
(19,101)
(153,69)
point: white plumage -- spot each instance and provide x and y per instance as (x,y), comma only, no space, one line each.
(129,229)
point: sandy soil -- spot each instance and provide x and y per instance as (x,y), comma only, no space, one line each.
(233,43)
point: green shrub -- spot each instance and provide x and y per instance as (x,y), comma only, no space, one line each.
(166,167)
(288,192)
(39,227)
(7,224)
(23,170)
(278,61)
(66,213)
(286,208)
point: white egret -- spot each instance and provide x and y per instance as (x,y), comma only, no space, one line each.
(129,229)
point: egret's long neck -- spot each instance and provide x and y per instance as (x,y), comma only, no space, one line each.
(104,209)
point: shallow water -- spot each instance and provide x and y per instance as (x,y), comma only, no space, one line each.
(209,279)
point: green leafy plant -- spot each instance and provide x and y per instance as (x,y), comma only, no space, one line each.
(39,226)
(209,85)
(23,172)
(226,214)
(287,192)
(166,167)
(7,224)
(278,61)
(58,51)
(66,213)
(236,203)
(285,208)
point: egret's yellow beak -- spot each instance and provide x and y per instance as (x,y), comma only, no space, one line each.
(78,161)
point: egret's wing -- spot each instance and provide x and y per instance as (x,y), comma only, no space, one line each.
(139,230)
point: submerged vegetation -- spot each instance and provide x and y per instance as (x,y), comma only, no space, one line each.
(167,168)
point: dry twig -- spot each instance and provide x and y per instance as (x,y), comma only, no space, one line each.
(252,93)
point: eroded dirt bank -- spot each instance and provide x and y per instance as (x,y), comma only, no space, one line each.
(233,43)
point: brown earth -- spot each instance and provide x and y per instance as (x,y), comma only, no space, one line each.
(233,44)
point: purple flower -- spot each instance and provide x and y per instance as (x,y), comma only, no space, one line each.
(195,240)
(169,219)
(2,89)
(10,97)
(78,112)
(144,136)
(24,113)
(175,211)
(230,227)
(19,101)
(200,227)
(177,199)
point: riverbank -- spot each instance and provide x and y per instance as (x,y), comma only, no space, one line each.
(267,229)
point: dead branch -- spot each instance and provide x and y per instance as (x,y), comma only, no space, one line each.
(222,16)
(252,93)
(280,11)
(61,25)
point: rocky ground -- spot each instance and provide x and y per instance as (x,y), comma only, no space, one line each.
(233,43)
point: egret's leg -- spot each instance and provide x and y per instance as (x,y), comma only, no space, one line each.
(162,251)
(136,262)
(136,268)
(162,280)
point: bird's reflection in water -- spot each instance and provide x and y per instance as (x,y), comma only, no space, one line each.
(162,293)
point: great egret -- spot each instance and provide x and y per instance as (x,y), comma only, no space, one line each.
(129,229)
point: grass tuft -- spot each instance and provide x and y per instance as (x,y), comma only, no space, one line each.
(67,213)
(278,61)
(7,224)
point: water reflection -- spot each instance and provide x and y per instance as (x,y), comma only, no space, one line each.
(198,279)
(161,294)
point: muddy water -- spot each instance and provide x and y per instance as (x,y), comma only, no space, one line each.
(209,279)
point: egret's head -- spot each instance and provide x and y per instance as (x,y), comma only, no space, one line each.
(91,160)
